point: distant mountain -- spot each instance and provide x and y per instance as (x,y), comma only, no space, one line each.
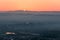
(28,11)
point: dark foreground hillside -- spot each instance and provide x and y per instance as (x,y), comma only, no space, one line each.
(47,35)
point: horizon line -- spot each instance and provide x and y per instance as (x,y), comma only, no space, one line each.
(30,10)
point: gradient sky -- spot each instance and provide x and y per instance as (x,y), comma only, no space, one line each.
(36,5)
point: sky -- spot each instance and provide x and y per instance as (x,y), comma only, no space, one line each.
(34,5)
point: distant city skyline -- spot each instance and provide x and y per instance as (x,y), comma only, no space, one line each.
(32,5)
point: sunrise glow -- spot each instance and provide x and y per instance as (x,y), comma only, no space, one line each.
(35,5)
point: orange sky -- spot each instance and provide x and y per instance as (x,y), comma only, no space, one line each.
(36,5)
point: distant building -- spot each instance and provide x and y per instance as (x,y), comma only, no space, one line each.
(9,33)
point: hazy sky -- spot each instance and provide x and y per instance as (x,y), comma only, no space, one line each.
(39,5)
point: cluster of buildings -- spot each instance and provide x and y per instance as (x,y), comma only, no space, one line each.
(18,36)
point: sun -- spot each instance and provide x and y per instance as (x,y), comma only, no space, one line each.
(24,9)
